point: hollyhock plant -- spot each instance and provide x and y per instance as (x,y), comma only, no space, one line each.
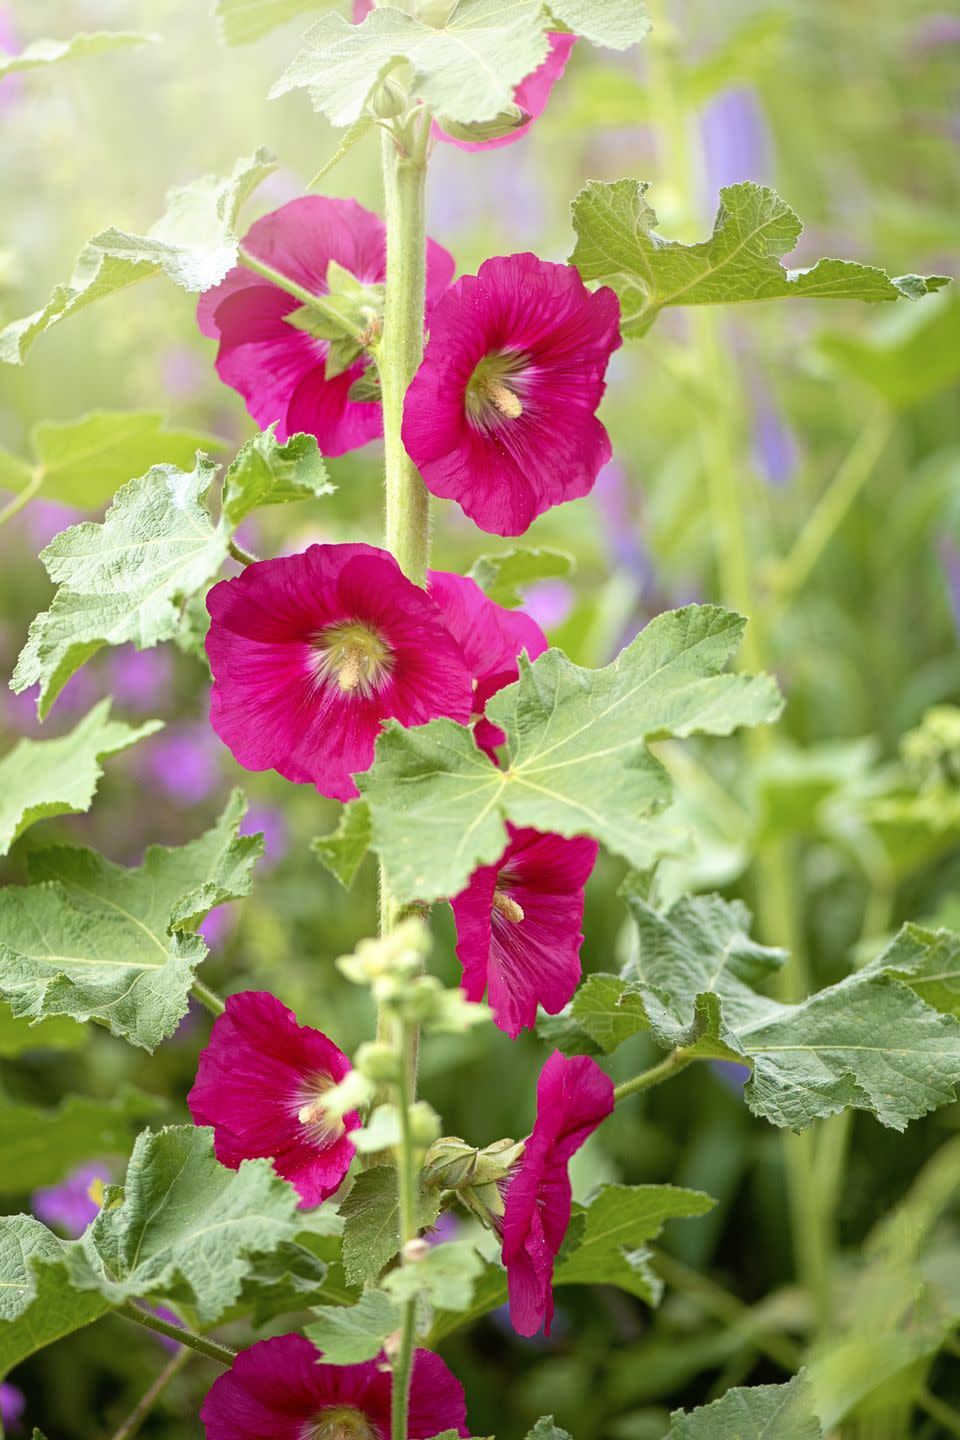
(518,926)
(573,1097)
(277,1389)
(500,417)
(260,1085)
(310,653)
(280,370)
(491,638)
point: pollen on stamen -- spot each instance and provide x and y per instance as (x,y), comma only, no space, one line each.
(504,399)
(507,907)
(355,656)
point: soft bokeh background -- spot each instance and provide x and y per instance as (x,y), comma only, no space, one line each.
(727,429)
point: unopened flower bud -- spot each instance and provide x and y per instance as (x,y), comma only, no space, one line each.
(424,1124)
(449,1163)
(389,100)
(392,1344)
(415,1250)
(498,1160)
(378,1062)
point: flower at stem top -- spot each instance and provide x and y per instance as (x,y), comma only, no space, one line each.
(573,1097)
(518,926)
(260,1084)
(278,1390)
(280,369)
(500,415)
(311,652)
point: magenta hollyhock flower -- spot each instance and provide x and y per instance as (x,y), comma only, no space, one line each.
(500,415)
(518,926)
(573,1097)
(260,1085)
(278,369)
(277,1390)
(311,652)
(491,638)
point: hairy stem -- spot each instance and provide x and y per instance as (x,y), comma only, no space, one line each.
(407,1191)
(14,506)
(301,293)
(201,1343)
(243,556)
(207,998)
(676,1061)
(140,1412)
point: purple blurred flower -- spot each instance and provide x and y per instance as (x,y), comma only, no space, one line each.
(184,762)
(447,1228)
(141,679)
(46,518)
(269,821)
(506,183)
(732,1075)
(12,1405)
(774,445)
(68,1206)
(549,602)
(163,1314)
(11,86)
(737,144)
(218,925)
(624,541)
(936,31)
(949,553)
(183,371)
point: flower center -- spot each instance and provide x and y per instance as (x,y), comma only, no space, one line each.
(506,907)
(322,1129)
(356,657)
(492,390)
(342,1422)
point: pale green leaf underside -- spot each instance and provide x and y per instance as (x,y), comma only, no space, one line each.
(40,1146)
(343,851)
(761,1412)
(194,244)
(578,762)
(265,473)
(503,575)
(445,1278)
(352,1334)
(616,24)
(42,778)
(94,941)
(465,70)
(40,53)
(241,21)
(37,1304)
(617,244)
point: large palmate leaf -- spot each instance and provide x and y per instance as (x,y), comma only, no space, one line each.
(265,473)
(762,1412)
(578,761)
(241,21)
(465,70)
(616,24)
(83,462)
(42,778)
(40,53)
(868,1042)
(194,244)
(617,244)
(187,1229)
(40,1146)
(37,1303)
(95,941)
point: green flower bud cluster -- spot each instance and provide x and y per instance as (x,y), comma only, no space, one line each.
(477,1177)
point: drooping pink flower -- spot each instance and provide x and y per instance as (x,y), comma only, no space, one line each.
(491,638)
(277,1390)
(573,1097)
(278,369)
(311,652)
(500,415)
(260,1085)
(518,926)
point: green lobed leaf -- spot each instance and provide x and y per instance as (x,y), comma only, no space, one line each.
(95,941)
(465,70)
(607,1011)
(343,851)
(83,462)
(489,1293)
(926,960)
(40,53)
(868,1042)
(124,580)
(502,575)
(610,1246)
(762,1412)
(241,21)
(187,1229)
(616,24)
(351,1335)
(617,244)
(371,1216)
(194,244)
(37,1303)
(40,1146)
(445,1278)
(266,473)
(43,778)
(578,761)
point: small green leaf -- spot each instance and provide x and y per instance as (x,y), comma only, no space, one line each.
(547,1429)
(356,1333)
(578,761)
(241,21)
(617,245)
(465,69)
(265,473)
(371,1216)
(40,1146)
(762,1412)
(343,851)
(445,1278)
(37,1303)
(351,137)
(607,1011)
(194,245)
(43,778)
(503,575)
(611,1246)
(616,24)
(40,53)
(94,941)
(187,1229)
(489,1293)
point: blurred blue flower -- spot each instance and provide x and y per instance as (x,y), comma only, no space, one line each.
(184,762)
(69,1206)
(774,445)
(624,542)
(13,1402)
(549,602)
(737,143)
(936,31)
(270,821)
(141,679)
(949,553)
(217,926)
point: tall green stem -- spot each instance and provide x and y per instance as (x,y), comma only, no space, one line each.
(201,1343)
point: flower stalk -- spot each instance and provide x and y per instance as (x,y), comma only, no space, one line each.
(203,1345)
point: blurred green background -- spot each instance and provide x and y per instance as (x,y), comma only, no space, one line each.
(729,429)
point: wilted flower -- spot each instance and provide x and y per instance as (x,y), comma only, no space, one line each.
(278,1389)
(573,1097)
(500,416)
(311,652)
(518,926)
(260,1084)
